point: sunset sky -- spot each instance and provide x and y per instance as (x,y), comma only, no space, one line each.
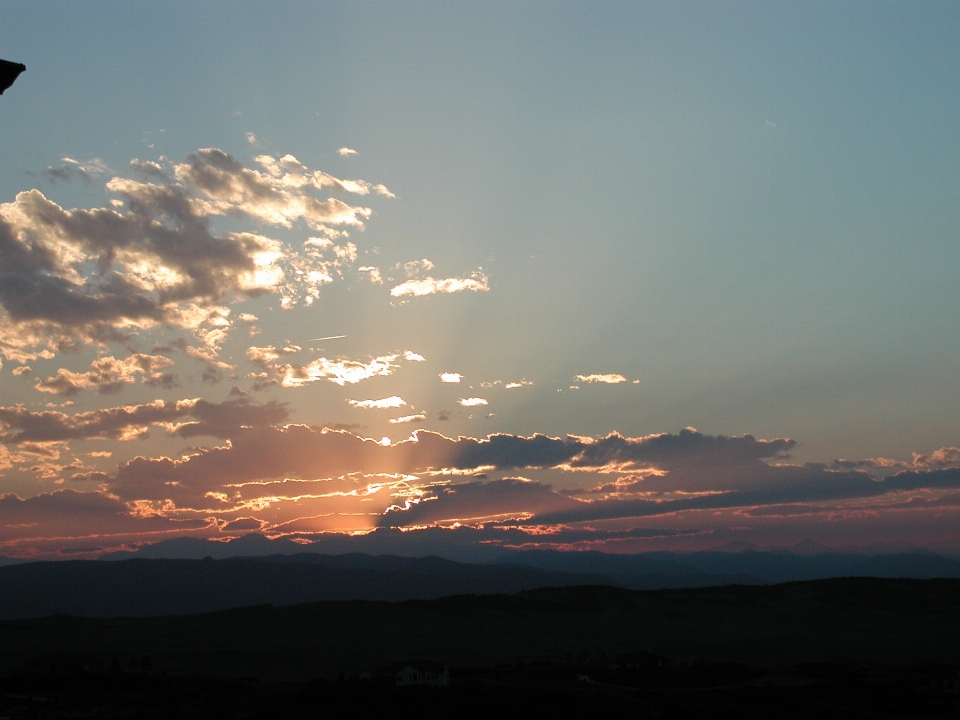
(619,276)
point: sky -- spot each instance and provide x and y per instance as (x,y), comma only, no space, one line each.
(571,275)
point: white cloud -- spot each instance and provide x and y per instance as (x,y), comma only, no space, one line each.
(450,377)
(151,257)
(520,384)
(429,286)
(347,152)
(278,196)
(609,379)
(264,356)
(472,402)
(89,169)
(372,273)
(341,371)
(390,402)
(415,267)
(419,417)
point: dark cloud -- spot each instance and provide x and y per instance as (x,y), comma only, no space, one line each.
(682,472)
(913,479)
(212,374)
(511,451)
(35,284)
(64,173)
(785,485)
(165,381)
(108,375)
(77,514)
(188,418)
(228,418)
(302,452)
(150,169)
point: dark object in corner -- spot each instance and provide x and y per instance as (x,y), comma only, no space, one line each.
(9,72)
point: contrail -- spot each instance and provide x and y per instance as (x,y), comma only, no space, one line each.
(329,337)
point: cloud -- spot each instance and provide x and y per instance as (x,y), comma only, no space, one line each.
(64,173)
(801,487)
(147,271)
(152,260)
(278,196)
(227,418)
(372,274)
(259,464)
(303,452)
(264,356)
(415,267)
(450,377)
(419,417)
(483,543)
(242,524)
(390,402)
(347,152)
(610,379)
(945,456)
(109,375)
(77,514)
(87,171)
(184,418)
(297,451)
(92,476)
(342,371)
(472,402)
(429,286)
(150,169)
(520,384)
(479,500)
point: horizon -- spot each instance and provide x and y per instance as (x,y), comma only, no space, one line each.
(617,277)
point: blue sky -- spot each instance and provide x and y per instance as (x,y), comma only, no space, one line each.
(749,208)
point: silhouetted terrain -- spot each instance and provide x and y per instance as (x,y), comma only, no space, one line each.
(141,587)
(740,567)
(145,584)
(853,647)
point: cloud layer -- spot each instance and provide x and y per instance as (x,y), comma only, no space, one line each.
(152,259)
(299,479)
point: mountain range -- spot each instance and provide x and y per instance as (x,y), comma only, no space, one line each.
(187,575)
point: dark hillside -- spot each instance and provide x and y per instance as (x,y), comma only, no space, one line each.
(143,588)
(847,620)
